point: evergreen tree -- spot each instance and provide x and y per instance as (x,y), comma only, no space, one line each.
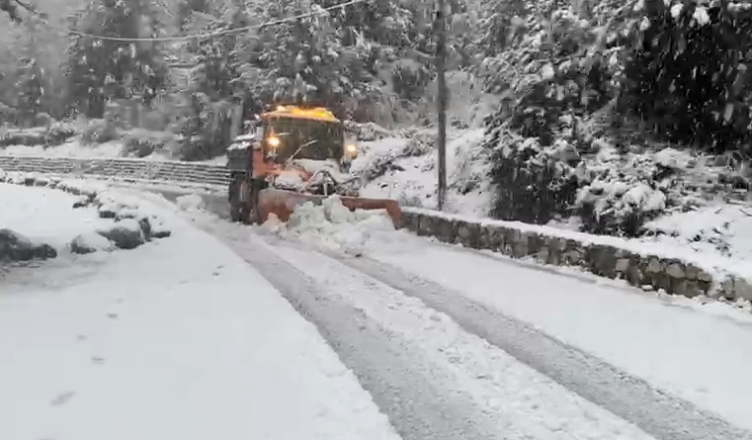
(214,88)
(30,87)
(100,70)
(302,56)
(186,8)
(498,24)
(216,69)
(30,83)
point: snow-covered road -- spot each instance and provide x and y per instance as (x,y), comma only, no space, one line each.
(635,356)
(177,339)
(191,337)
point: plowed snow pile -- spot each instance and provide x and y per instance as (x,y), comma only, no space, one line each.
(335,227)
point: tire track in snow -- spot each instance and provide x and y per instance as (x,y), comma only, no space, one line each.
(656,412)
(521,403)
(401,383)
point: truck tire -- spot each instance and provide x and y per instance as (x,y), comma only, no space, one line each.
(236,214)
(249,212)
(233,197)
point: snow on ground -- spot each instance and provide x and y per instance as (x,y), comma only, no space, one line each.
(699,353)
(178,338)
(702,357)
(45,215)
(513,398)
(407,162)
(720,229)
(523,403)
(190,202)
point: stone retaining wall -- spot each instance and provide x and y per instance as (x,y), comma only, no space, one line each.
(641,270)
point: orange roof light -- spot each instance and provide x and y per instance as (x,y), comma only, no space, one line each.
(318,113)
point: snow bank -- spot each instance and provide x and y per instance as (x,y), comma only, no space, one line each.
(719,229)
(45,215)
(166,342)
(335,227)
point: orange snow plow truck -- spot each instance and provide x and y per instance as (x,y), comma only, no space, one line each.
(290,156)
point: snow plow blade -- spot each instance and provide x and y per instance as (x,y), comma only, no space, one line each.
(282,204)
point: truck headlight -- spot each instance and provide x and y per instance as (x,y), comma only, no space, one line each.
(273,141)
(351,149)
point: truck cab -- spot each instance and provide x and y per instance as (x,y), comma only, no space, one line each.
(291,133)
(301,150)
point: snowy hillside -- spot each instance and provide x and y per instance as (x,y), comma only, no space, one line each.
(404,168)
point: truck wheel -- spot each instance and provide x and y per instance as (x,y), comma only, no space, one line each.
(234,199)
(235,213)
(249,212)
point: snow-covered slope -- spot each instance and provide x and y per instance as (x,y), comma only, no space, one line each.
(404,168)
(402,164)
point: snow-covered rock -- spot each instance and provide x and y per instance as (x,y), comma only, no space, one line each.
(90,242)
(17,247)
(125,234)
(109,210)
(81,202)
(159,229)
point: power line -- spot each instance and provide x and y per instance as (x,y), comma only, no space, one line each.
(201,36)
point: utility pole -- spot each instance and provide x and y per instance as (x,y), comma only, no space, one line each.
(442,98)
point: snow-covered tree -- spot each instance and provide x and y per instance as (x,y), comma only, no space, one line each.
(100,69)
(214,89)
(499,23)
(31,84)
(30,87)
(300,57)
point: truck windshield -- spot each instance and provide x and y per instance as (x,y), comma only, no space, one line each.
(320,140)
